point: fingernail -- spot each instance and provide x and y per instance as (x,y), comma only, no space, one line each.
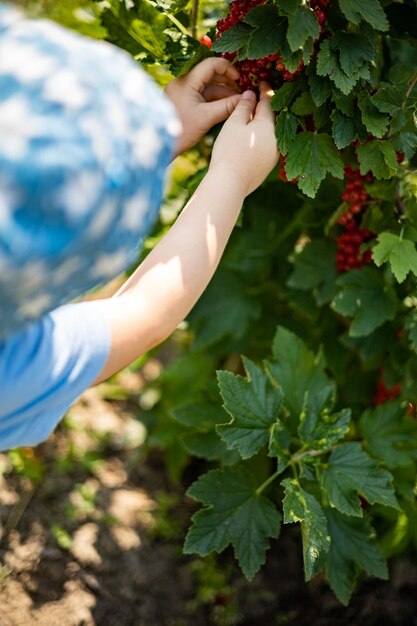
(247,95)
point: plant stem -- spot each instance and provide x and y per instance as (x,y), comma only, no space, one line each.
(266,483)
(194,18)
(410,87)
(301,455)
(178,24)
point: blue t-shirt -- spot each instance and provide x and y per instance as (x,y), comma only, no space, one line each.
(85,141)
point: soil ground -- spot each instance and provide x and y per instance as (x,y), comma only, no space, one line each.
(97,542)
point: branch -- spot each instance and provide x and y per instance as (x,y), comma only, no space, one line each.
(194,18)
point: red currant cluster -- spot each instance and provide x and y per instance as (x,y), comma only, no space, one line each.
(349,255)
(321,8)
(383,393)
(237,11)
(270,68)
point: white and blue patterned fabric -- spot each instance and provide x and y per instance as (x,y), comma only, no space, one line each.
(85,141)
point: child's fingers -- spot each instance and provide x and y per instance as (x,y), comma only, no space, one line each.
(220,109)
(215,67)
(263,110)
(245,108)
(216,92)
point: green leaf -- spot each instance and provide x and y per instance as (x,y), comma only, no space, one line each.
(375,121)
(320,88)
(254,406)
(301,506)
(224,310)
(234,514)
(201,415)
(388,99)
(378,157)
(284,96)
(279,445)
(310,158)
(389,434)
(344,129)
(400,253)
(368,10)
(315,270)
(184,54)
(209,446)
(302,25)
(233,39)
(364,297)
(406,142)
(351,472)
(328,64)
(286,130)
(287,7)
(322,431)
(353,547)
(269,33)
(300,374)
(304,105)
(354,51)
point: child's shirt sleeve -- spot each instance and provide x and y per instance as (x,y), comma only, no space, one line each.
(46,366)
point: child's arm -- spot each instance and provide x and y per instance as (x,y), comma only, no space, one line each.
(164,288)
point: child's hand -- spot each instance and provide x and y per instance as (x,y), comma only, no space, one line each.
(203,97)
(246,146)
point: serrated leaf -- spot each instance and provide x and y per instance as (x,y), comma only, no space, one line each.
(368,10)
(209,446)
(310,158)
(254,406)
(324,430)
(300,374)
(184,54)
(406,142)
(400,253)
(268,34)
(315,270)
(351,472)
(285,130)
(378,157)
(233,39)
(279,445)
(344,104)
(320,88)
(388,98)
(302,26)
(301,506)
(201,415)
(353,546)
(234,514)
(344,129)
(288,7)
(375,121)
(304,105)
(284,96)
(224,310)
(389,434)
(354,51)
(364,297)
(328,64)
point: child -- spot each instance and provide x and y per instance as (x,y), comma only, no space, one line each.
(85,139)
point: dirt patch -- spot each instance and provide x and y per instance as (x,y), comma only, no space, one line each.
(98,543)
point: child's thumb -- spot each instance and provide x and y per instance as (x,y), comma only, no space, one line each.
(245,108)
